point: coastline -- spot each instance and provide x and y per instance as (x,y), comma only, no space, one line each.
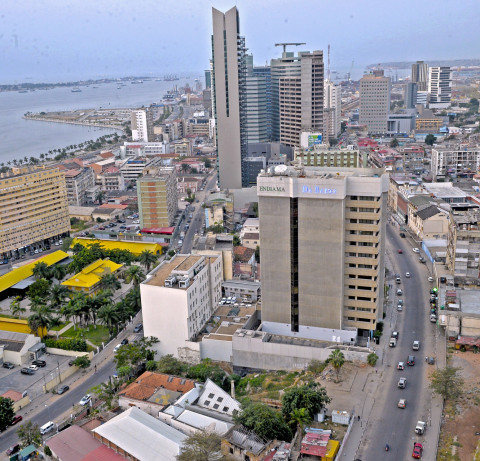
(70,122)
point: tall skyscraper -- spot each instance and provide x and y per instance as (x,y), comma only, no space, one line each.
(229,97)
(440,87)
(142,125)
(332,119)
(410,95)
(375,102)
(297,95)
(330,225)
(420,75)
(208,79)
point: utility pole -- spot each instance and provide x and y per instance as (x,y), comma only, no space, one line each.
(59,375)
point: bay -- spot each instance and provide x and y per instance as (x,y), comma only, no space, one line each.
(20,138)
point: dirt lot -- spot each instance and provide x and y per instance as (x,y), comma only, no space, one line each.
(458,433)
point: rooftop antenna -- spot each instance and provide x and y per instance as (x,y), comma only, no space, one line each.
(328,68)
(284,44)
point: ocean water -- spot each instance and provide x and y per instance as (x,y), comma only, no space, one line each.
(20,138)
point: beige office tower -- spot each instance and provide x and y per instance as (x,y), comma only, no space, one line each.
(375,102)
(157,197)
(34,207)
(299,104)
(332,118)
(323,247)
(228,84)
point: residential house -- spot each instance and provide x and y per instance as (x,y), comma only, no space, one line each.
(244,263)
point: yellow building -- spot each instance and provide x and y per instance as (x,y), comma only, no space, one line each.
(88,279)
(136,248)
(34,207)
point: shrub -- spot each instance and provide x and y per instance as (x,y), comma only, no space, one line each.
(78,345)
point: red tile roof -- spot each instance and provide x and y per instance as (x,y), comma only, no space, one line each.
(242,253)
(113,205)
(14,395)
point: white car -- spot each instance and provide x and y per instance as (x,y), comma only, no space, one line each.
(407,274)
(399,308)
(33,367)
(400,366)
(136,221)
(118,346)
(416,250)
(85,400)
(399,292)
(430,279)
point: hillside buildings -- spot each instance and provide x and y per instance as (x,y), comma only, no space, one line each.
(229,87)
(34,208)
(375,102)
(178,298)
(440,87)
(317,215)
(142,125)
(157,196)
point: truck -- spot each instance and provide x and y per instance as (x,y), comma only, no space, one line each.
(393,342)
(420,428)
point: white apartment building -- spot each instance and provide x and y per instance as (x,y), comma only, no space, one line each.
(142,149)
(142,125)
(78,182)
(375,102)
(440,87)
(178,298)
(332,118)
(451,162)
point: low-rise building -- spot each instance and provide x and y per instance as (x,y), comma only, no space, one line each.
(178,298)
(455,162)
(14,347)
(111,179)
(243,290)
(428,222)
(219,244)
(83,213)
(251,240)
(240,444)
(185,183)
(219,211)
(89,279)
(244,263)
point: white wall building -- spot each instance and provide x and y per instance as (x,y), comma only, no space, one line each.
(142,125)
(449,161)
(333,105)
(178,298)
(440,87)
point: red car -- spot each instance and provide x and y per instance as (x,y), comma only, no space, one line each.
(16,419)
(417,450)
(400,251)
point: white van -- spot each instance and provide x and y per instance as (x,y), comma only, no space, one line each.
(47,427)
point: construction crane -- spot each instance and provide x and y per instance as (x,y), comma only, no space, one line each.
(289,44)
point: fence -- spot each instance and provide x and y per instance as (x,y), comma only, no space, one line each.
(49,385)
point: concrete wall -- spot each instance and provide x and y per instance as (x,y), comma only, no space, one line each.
(56,351)
(148,407)
(22,403)
(253,353)
(216,349)
(56,381)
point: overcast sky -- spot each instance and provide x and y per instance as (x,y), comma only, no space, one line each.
(50,40)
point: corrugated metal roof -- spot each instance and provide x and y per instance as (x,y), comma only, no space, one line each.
(134,247)
(92,274)
(215,398)
(21,273)
(204,422)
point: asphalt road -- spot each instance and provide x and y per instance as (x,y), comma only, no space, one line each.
(388,423)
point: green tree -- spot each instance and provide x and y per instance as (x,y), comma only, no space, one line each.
(82,362)
(300,417)
(58,272)
(135,275)
(29,433)
(99,196)
(430,139)
(108,316)
(133,354)
(236,241)
(6,412)
(208,163)
(447,383)
(41,271)
(266,422)
(372,359)
(202,446)
(41,318)
(39,289)
(171,366)
(74,308)
(105,392)
(67,243)
(110,282)
(394,142)
(337,359)
(310,396)
(148,259)
(257,254)
(185,167)
(16,308)
(58,295)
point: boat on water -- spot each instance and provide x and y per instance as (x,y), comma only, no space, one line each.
(23,91)
(119,87)
(136,82)
(76,90)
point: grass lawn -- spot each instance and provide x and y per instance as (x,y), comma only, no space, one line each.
(12,317)
(62,325)
(95,335)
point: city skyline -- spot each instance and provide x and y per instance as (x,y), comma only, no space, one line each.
(176,37)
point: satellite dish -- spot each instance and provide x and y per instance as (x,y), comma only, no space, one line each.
(280,169)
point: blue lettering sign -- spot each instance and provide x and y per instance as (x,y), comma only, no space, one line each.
(317,190)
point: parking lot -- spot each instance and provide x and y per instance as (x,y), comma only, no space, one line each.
(32,384)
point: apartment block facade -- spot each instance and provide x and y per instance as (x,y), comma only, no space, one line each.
(329,225)
(454,162)
(33,207)
(142,125)
(333,109)
(333,157)
(178,299)
(420,75)
(79,182)
(375,102)
(440,87)
(157,196)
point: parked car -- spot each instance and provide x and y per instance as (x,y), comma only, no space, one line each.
(85,399)
(16,419)
(399,307)
(138,328)
(124,341)
(399,292)
(407,274)
(47,427)
(33,367)
(13,449)
(62,389)
(430,279)
(415,250)
(422,259)
(115,349)
(417,450)
(27,371)
(39,363)
(402,234)
(70,362)
(8,365)
(400,251)
(402,383)
(411,360)
(395,334)
(402,403)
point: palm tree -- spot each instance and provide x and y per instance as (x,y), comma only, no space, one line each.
(74,308)
(301,417)
(41,271)
(58,271)
(99,197)
(110,282)
(16,308)
(147,258)
(97,301)
(184,167)
(337,359)
(40,319)
(135,275)
(58,296)
(108,316)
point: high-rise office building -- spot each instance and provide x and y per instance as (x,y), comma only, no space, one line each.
(420,75)
(208,79)
(440,87)
(375,102)
(142,125)
(157,196)
(410,96)
(297,95)
(229,97)
(333,109)
(34,208)
(330,225)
